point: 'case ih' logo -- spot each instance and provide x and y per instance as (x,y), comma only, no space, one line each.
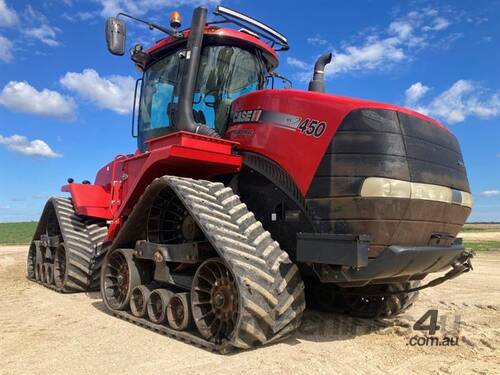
(252,115)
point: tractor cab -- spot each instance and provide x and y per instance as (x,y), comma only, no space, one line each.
(197,72)
(225,73)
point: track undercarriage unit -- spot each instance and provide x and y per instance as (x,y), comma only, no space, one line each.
(208,272)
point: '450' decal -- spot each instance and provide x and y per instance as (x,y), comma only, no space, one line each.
(312,127)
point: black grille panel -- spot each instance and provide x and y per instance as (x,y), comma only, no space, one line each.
(389,144)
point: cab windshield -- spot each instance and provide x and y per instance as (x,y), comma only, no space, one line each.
(225,73)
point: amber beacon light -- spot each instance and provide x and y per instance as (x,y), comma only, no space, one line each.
(175,19)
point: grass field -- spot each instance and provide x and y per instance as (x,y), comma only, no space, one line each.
(17,233)
(478,237)
(481,228)
(482,245)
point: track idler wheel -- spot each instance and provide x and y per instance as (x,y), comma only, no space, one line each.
(215,301)
(139,300)
(60,267)
(48,270)
(179,314)
(120,275)
(157,305)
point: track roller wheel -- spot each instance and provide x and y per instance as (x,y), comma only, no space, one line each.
(120,275)
(215,301)
(179,314)
(60,267)
(157,305)
(43,278)
(49,273)
(139,300)
(38,271)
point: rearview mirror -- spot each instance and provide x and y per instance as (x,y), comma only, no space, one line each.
(116,34)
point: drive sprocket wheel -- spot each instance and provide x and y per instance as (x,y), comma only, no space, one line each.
(215,301)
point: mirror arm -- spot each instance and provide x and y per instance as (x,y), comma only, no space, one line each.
(152,25)
(283,78)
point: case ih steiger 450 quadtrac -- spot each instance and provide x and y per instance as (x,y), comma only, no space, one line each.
(242,202)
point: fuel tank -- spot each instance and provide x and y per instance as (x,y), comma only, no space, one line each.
(362,167)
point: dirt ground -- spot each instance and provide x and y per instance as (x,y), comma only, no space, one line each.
(45,332)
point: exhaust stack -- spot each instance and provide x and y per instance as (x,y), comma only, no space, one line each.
(184,119)
(318,81)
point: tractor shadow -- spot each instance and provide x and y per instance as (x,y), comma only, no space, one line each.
(94,295)
(98,304)
(320,326)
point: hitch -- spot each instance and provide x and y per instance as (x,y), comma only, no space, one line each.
(461,265)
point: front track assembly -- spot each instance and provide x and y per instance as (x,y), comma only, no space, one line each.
(65,254)
(249,294)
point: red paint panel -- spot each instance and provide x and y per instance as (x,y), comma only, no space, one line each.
(297,153)
(186,155)
(191,140)
(89,200)
(120,183)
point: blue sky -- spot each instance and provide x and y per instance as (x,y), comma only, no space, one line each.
(65,102)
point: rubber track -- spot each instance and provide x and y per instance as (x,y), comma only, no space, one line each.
(83,238)
(271,289)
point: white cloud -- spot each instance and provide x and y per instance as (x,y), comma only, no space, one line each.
(317,41)
(292,61)
(140,7)
(439,23)
(20,144)
(8,16)
(22,97)
(463,99)
(414,93)
(80,16)
(114,92)
(382,49)
(401,28)
(490,193)
(371,55)
(6,47)
(38,27)
(44,33)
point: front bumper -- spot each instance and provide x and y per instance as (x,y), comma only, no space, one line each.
(395,263)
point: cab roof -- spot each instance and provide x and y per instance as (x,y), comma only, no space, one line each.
(219,34)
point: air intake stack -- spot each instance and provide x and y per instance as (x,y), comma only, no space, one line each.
(318,81)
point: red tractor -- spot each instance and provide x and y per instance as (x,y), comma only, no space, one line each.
(243,201)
